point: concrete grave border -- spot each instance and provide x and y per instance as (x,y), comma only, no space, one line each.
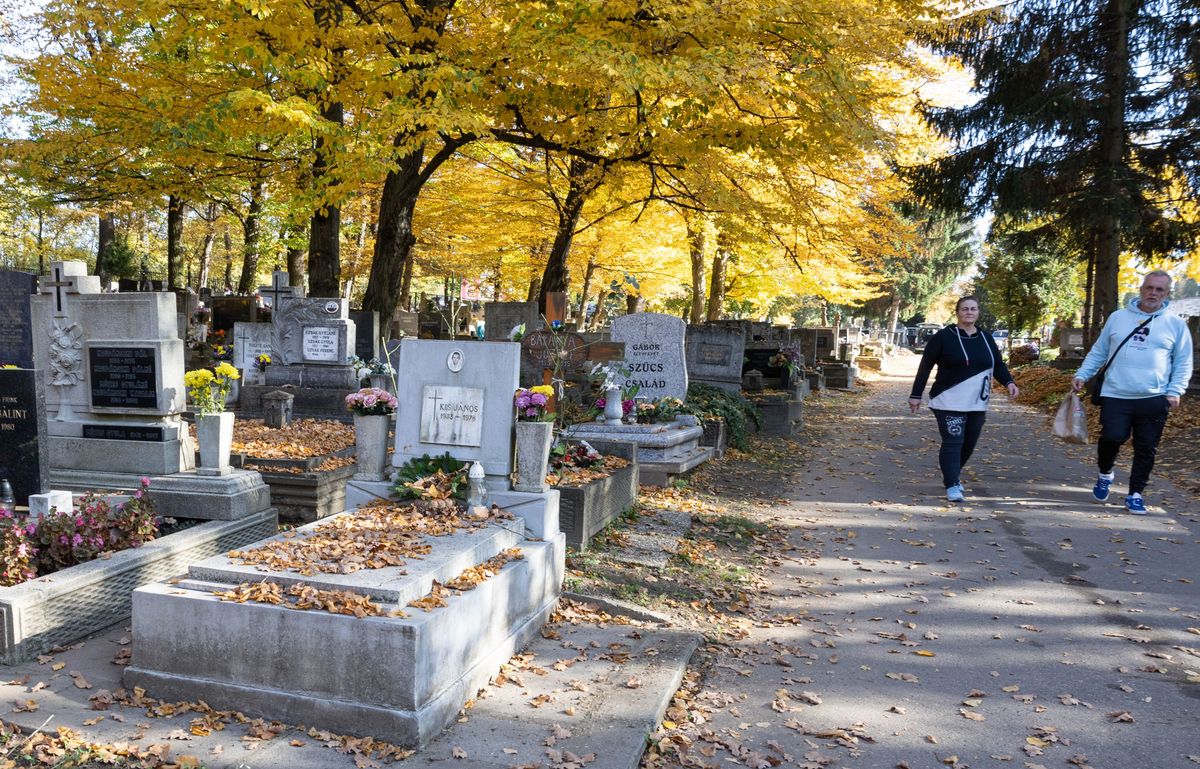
(70,604)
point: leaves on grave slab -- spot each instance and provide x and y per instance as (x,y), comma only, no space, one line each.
(301,439)
(302,597)
(471,577)
(377,535)
(80,681)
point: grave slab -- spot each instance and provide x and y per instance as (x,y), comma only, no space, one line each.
(189,644)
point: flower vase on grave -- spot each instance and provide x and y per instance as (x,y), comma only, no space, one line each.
(614,410)
(785,378)
(533,455)
(214,434)
(371,441)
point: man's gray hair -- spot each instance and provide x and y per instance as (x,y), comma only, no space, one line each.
(1159,274)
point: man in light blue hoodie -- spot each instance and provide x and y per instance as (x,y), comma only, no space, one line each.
(1144,381)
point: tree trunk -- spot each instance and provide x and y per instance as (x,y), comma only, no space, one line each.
(41,242)
(228,277)
(598,318)
(589,271)
(893,323)
(406,285)
(106,236)
(324,240)
(557,275)
(634,303)
(1115,21)
(716,286)
(206,246)
(393,246)
(174,240)
(251,228)
(695,239)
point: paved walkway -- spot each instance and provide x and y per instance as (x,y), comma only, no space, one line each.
(1029,627)
(1026,628)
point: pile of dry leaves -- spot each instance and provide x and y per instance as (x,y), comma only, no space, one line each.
(302,438)
(383,533)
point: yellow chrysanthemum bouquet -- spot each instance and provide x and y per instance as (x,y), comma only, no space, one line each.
(208,388)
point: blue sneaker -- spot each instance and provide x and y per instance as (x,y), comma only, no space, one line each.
(1100,490)
(1134,504)
(954,493)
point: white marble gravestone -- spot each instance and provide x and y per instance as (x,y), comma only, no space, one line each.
(654,353)
(457,397)
(113,370)
(249,341)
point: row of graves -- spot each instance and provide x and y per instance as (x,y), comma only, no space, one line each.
(436,592)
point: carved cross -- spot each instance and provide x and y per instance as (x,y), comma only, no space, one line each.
(279,288)
(57,285)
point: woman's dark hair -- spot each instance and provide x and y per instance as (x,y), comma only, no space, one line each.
(969,298)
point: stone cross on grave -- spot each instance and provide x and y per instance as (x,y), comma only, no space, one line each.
(60,288)
(279,288)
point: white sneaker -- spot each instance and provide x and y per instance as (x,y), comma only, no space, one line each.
(955,493)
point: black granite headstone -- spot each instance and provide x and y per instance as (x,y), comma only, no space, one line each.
(24,452)
(366,333)
(16,339)
(227,310)
(123,377)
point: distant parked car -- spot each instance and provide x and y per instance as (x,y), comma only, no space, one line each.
(1000,333)
(924,332)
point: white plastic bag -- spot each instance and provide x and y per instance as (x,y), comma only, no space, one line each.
(1070,423)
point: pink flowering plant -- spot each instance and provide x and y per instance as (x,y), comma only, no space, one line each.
(531,404)
(69,537)
(371,401)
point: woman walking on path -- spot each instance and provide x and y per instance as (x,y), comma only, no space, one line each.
(966,358)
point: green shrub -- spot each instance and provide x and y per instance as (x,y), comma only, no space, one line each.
(708,402)
(444,473)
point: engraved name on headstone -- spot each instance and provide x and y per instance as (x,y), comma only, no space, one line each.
(123,377)
(452,416)
(320,344)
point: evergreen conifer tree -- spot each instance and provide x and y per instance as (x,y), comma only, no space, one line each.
(1086,112)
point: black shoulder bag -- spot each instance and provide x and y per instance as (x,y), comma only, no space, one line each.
(1098,379)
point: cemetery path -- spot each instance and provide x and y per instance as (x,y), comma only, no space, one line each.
(1027,627)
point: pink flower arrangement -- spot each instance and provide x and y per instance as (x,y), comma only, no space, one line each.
(531,404)
(371,401)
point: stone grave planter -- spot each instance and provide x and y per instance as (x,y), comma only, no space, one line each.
(371,440)
(214,435)
(300,490)
(716,436)
(585,510)
(782,414)
(63,607)
(533,455)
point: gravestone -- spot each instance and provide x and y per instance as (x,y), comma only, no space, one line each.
(457,397)
(312,342)
(714,355)
(654,353)
(113,375)
(500,318)
(431,325)
(249,341)
(16,338)
(227,310)
(1072,343)
(24,450)
(366,333)
(404,323)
